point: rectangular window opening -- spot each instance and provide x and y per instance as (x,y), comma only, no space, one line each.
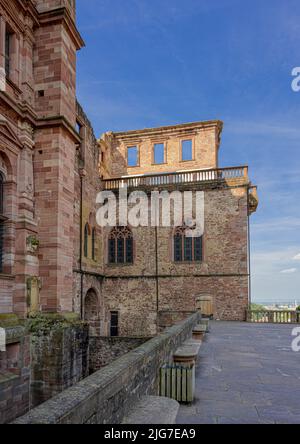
(8,38)
(186,150)
(132,156)
(159,153)
(78,127)
(114,323)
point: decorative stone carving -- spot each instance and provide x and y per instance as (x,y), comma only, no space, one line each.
(32,244)
(33,290)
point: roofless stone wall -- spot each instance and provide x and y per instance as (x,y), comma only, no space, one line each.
(105,396)
(104,350)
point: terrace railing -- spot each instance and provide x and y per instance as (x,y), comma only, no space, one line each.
(192,177)
(273,316)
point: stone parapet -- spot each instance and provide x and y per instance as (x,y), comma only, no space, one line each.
(106,396)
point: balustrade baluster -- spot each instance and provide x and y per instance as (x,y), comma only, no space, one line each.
(176,178)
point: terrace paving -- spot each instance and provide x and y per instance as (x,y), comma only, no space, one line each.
(246,374)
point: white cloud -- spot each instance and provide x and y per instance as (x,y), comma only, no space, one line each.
(289,271)
(297,257)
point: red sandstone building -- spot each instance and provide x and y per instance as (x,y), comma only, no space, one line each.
(54,258)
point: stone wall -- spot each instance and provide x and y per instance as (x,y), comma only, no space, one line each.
(103,351)
(37,153)
(59,359)
(135,301)
(138,294)
(205,137)
(14,375)
(107,395)
(87,271)
(168,318)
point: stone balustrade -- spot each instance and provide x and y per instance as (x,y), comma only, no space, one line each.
(177,178)
(273,316)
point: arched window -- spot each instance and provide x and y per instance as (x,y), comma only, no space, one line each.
(94,244)
(187,248)
(120,246)
(1,220)
(86,240)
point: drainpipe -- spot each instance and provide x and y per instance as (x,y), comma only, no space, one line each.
(156,270)
(82,174)
(249,249)
(156,260)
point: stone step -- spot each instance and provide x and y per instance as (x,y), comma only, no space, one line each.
(153,410)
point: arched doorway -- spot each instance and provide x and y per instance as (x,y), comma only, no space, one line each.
(92,312)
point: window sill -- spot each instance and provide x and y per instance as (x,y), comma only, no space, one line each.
(188,262)
(13,85)
(119,265)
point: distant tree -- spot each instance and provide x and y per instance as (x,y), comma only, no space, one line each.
(298,308)
(257,307)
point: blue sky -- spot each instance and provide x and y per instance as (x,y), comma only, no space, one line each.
(158,62)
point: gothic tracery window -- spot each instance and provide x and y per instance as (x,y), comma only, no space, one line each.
(187,248)
(120,246)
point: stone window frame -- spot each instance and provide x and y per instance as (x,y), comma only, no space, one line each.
(117,313)
(137,146)
(182,230)
(115,234)
(183,139)
(7,52)
(6,218)
(12,61)
(165,144)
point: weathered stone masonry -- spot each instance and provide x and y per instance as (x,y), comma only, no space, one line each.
(54,256)
(108,395)
(166,285)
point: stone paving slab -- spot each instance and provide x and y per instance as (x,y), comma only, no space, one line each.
(153,410)
(246,374)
